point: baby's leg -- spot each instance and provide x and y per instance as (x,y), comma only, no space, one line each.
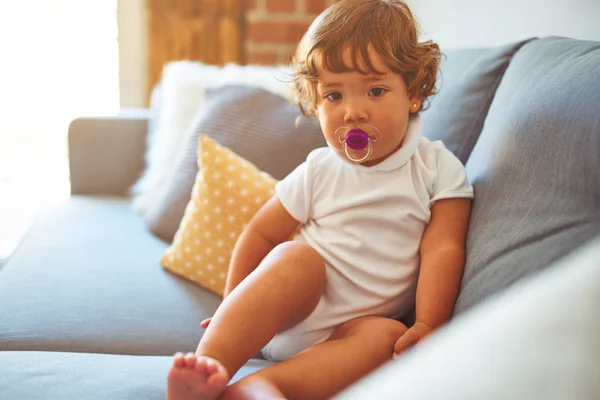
(282,291)
(355,349)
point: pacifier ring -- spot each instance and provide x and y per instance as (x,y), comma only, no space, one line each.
(359,160)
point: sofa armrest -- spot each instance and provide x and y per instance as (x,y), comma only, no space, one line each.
(106,154)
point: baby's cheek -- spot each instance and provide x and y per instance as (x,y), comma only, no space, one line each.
(399,124)
(328,126)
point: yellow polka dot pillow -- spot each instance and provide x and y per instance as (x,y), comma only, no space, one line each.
(227,192)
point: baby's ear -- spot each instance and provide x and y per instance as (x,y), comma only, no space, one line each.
(415,104)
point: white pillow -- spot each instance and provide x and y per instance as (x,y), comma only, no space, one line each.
(538,340)
(184,84)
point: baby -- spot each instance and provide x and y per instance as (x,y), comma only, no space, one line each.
(381,218)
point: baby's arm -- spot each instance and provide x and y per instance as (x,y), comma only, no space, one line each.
(442,262)
(270,226)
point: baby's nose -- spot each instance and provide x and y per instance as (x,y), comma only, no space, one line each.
(356,112)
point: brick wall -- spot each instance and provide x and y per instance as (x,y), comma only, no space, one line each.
(274,28)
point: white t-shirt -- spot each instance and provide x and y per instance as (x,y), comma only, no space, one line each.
(367,222)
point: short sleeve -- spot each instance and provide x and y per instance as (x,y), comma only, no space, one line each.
(451,178)
(294,192)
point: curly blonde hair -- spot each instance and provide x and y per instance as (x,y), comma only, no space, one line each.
(386,26)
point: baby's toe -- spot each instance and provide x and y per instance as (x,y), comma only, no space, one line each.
(178,360)
(201,366)
(211,367)
(190,360)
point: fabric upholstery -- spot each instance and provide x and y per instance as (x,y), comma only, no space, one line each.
(106,154)
(34,375)
(87,278)
(536,167)
(467,82)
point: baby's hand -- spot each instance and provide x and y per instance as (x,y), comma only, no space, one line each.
(412,336)
(204,324)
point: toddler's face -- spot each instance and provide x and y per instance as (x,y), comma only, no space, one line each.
(353,99)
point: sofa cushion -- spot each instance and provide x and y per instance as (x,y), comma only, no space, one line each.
(36,375)
(538,340)
(87,279)
(467,82)
(257,125)
(536,167)
(228,192)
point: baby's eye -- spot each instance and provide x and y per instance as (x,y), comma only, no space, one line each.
(333,96)
(377,92)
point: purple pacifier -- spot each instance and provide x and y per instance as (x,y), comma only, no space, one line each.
(356,140)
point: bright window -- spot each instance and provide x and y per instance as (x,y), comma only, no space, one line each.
(59,61)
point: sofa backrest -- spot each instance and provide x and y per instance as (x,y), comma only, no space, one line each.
(536,166)
(467,83)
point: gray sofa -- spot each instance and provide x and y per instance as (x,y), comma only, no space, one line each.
(86,311)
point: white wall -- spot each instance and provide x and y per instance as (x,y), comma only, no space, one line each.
(133,71)
(451,23)
(476,23)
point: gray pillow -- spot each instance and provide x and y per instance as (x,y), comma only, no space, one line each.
(536,167)
(257,125)
(468,80)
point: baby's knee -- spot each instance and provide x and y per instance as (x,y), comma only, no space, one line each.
(300,254)
(380,329)
(388,329)
(384,333)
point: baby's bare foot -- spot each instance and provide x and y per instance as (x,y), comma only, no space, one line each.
(196,378)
